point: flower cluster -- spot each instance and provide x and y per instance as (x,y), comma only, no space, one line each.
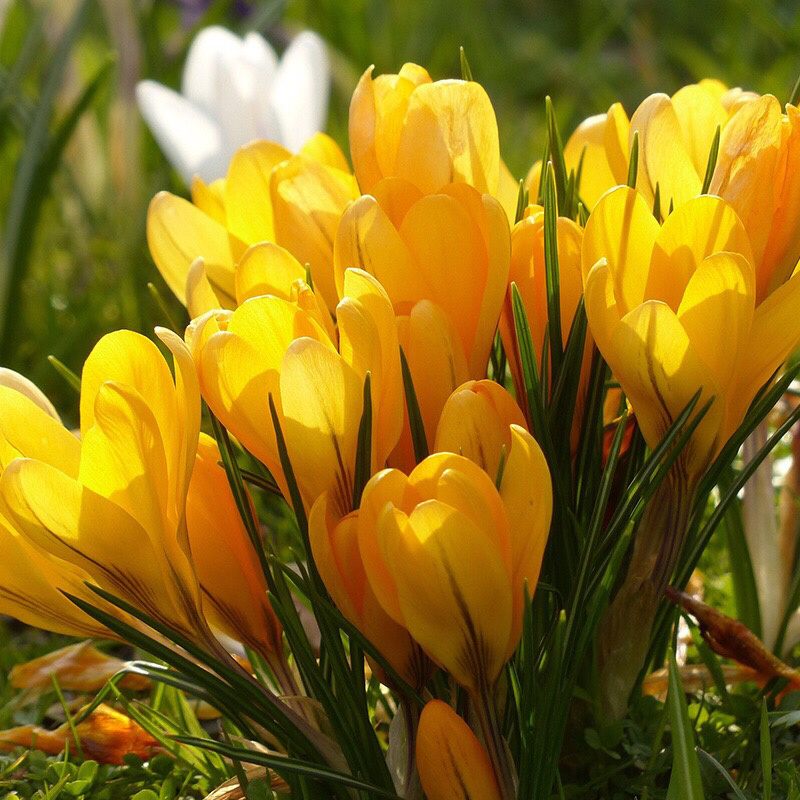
(380,344)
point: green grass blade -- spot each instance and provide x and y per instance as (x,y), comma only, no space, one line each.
(418,438)
(709,759)
(685,782)
(766,754)
(30,183)
(363,465)
(712,162)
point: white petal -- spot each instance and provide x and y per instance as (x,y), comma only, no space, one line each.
(241,94)
(260,52)
(211,47)
(191,141)
(301,89)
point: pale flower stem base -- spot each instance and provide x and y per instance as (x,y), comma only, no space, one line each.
(495,745)
(624,634)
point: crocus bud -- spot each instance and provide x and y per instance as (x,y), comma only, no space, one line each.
(430,134)
(451,761)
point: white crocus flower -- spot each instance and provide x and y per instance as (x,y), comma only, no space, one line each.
(235,90)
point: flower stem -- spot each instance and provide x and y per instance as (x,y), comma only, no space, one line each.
(624,634)
(502,767)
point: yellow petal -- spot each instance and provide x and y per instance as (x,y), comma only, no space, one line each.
(783,246)
(240,367)
(132,360)
(200,295)
(377,111)
(451,761)
(664,157)
(30,583)
(368,342)
(659,371)
(19,383)
(325,150)
(436,362)
(308,200)
(475,423)
(621,230)
(773,338)
(210,198)
(602,311)
(699,228)
(699,113)
(233,585)
(322,398)
(387,487)
(72,523)
(267,268)
(717,312)
(368,239)
(178,233)
(454,588)
(527,494)
(27,430)
(616,138)
(449,135)
(745,171)
(248,204)
(507,192)
(335,546)
(466,268)
(586,148)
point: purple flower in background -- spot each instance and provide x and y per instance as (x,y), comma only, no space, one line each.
(193,10)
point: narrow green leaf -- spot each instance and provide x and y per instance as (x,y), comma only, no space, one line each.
(685,782)
(285,764)
(794,97)
(556,153)
(633,163)
(709,759)
(162,306)
(522,201)
(657,204)
(31,181)
(418,437)
(466,72)
(363,465)
(66,373)
(712,161)
(553,278)
(766,754)
(745,592)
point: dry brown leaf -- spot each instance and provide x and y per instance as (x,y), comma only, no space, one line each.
(732,639)
(79,667)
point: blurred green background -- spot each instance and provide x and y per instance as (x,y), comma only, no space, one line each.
(78,166)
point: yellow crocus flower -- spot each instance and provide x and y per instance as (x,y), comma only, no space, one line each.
(234,590)
(452,763)
(451,248)
(448,554)
(268,195)
(483,422)
(271,346)
(114,506)
(31,583)
(437,551)
(476,422)
(673,310)
(428,133)
(334,545)
(756,172)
